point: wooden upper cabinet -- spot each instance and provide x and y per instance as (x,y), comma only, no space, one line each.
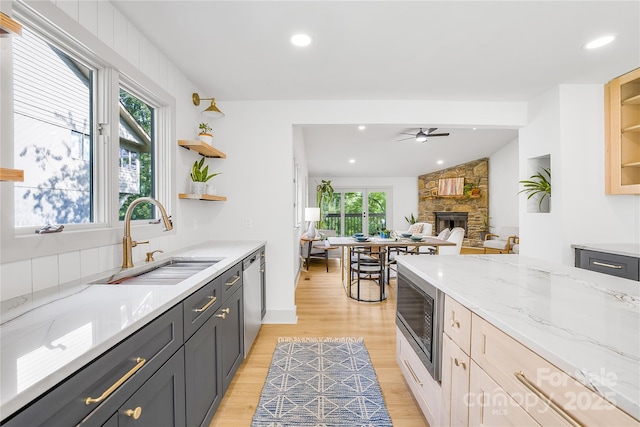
(622,134)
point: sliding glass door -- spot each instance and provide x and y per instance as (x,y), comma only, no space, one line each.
(355,211)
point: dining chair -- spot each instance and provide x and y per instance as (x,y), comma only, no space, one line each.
(456,236)
(367,266)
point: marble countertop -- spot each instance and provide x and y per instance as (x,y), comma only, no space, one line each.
(626,249)
(47,337)
(585,323)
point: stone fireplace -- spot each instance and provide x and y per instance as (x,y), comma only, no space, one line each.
(468,212)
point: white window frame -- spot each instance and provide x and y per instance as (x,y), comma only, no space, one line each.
(112,72)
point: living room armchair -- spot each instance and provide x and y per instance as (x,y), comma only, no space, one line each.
(502,242)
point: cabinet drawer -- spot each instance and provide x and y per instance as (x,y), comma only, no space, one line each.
(490,405)
(231,280)
(200,305)
(108,380)
(455,384)
(526,377)
(425,390)
(612,264)
(457,323)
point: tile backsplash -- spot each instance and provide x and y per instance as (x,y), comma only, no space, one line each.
(25,277)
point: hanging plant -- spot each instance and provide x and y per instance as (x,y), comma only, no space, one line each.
(538,184)
(324,194)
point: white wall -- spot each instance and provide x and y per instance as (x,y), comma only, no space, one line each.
(503,187)
(403,190)
(567,123)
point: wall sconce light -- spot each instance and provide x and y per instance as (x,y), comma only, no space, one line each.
(212,110)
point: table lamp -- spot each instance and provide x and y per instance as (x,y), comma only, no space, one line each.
(312,215)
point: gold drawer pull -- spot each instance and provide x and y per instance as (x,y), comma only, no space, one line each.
(604,264)
(413,374)
(224,313)
(460,363)
(542,396)
(134,413)
(212,299)
(234,281)
(262,271)
(139,362)
(455,324)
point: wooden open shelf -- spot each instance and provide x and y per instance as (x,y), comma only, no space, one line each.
(202,148)
(631,165)
(11,175)
(634,100)
(9,26)
(635,128)
(202,197)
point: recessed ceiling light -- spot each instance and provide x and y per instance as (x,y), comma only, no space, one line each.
(301,40)
(473,128)
(440,162)
(599,42)
(352,161)
(362,127)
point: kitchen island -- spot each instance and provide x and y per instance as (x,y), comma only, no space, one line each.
(584,323)
(45,338)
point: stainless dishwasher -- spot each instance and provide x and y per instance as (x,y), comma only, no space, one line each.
(252,294)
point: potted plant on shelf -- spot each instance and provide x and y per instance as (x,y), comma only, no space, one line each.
(538,184)
(199,177)
(205,134)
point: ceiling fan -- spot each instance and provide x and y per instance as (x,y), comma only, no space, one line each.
(422,136)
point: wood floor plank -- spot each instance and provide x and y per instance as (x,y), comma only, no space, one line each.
(325,311)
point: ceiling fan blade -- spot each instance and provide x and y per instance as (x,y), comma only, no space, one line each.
(405,133)
(437,134)
(404,139)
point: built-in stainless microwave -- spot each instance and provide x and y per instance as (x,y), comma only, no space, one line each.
(420,317)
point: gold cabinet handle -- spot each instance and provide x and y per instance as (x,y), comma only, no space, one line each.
(262,271)
(139,362)
(224,313)
(542,396)
(212,299)
(233,282)
(134,413)
(455,324)
(604,264)
(460,363)
(413,374)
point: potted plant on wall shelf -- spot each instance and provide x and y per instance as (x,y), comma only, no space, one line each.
(538,184)
(199,177)
(205,134)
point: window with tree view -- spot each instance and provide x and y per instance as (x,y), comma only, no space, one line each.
(135,168)
(53,138)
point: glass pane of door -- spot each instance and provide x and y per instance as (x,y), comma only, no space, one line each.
(330,219)
(377,209)
(353,213)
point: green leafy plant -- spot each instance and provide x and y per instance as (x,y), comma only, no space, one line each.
(411,219)
(204,128)
(200,172)
(538,184)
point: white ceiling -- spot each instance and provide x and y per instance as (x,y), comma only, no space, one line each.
(390,50)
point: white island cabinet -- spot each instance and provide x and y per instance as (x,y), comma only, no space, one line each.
(528,342)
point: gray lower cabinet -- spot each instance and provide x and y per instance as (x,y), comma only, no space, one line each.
(202,373)
(92,395)
(608,263)
(232,336)
(263,281)
(160,401)
(172,372)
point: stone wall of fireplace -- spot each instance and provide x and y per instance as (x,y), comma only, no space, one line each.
(476,207)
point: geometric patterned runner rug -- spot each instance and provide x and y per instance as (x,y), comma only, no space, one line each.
(321,382)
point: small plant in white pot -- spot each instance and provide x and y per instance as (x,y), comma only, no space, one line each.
(200,176)
(205,134)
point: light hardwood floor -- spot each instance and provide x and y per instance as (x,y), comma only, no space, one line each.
(325,311)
